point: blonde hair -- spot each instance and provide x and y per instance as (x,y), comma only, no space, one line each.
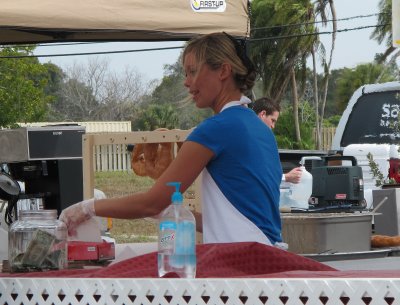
(218,48)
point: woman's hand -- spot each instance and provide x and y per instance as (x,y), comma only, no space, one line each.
(76,214)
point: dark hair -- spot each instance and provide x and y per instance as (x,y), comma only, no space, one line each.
(266,104)
(216,48)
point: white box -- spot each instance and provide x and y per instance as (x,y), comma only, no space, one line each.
(388,223)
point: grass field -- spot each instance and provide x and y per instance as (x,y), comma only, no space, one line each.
(117,184)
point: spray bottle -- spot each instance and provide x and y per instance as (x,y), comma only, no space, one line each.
(177,238)
(301,192)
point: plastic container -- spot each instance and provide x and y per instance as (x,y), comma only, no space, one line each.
(177,238)
(37,241)
(284,199)
(300,193)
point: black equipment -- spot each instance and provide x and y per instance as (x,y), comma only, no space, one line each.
(47,161)
(335,186)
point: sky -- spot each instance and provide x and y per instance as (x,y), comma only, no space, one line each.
(352,47)
(355,47)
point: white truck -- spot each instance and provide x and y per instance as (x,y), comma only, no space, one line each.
(370,124)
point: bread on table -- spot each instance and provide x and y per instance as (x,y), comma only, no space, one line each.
(382,241)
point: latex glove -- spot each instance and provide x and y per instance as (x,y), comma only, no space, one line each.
(76,214)
(294,175)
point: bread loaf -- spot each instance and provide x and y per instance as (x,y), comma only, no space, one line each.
(152,159)
(381,241)
(158,156)
(137,160)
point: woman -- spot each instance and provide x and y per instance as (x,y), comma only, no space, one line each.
(236,152)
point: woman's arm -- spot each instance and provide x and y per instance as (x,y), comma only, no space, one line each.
(189,162)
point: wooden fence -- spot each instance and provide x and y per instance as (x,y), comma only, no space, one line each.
(116,157)
(112,157)
(107,151)
(327,137)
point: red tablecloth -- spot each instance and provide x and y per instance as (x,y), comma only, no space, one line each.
(246,259)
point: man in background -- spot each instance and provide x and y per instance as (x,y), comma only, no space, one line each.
(268,111)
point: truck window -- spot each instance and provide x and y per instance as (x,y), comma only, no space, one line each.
(374,120)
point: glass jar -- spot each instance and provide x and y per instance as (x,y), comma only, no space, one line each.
(37,241)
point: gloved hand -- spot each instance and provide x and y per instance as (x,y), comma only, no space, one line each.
(76,214)
(294,176)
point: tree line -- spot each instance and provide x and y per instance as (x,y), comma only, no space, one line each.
(283,38)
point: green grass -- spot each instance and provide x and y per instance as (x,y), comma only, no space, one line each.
(117,184)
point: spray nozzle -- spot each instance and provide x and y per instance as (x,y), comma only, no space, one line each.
(176,197)
(303,159)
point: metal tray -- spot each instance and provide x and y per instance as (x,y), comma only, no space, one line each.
(340,256)
(314,233)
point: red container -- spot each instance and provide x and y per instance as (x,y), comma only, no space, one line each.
(394,169)
(90,251)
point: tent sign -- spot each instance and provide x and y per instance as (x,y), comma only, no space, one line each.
(208,6)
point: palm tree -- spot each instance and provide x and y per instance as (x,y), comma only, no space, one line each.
(280,42)
(156,116)
(321,7)
(383,31)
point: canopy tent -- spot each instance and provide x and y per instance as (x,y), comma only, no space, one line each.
(45,21)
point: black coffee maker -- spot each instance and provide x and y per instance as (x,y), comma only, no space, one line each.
(47,162)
